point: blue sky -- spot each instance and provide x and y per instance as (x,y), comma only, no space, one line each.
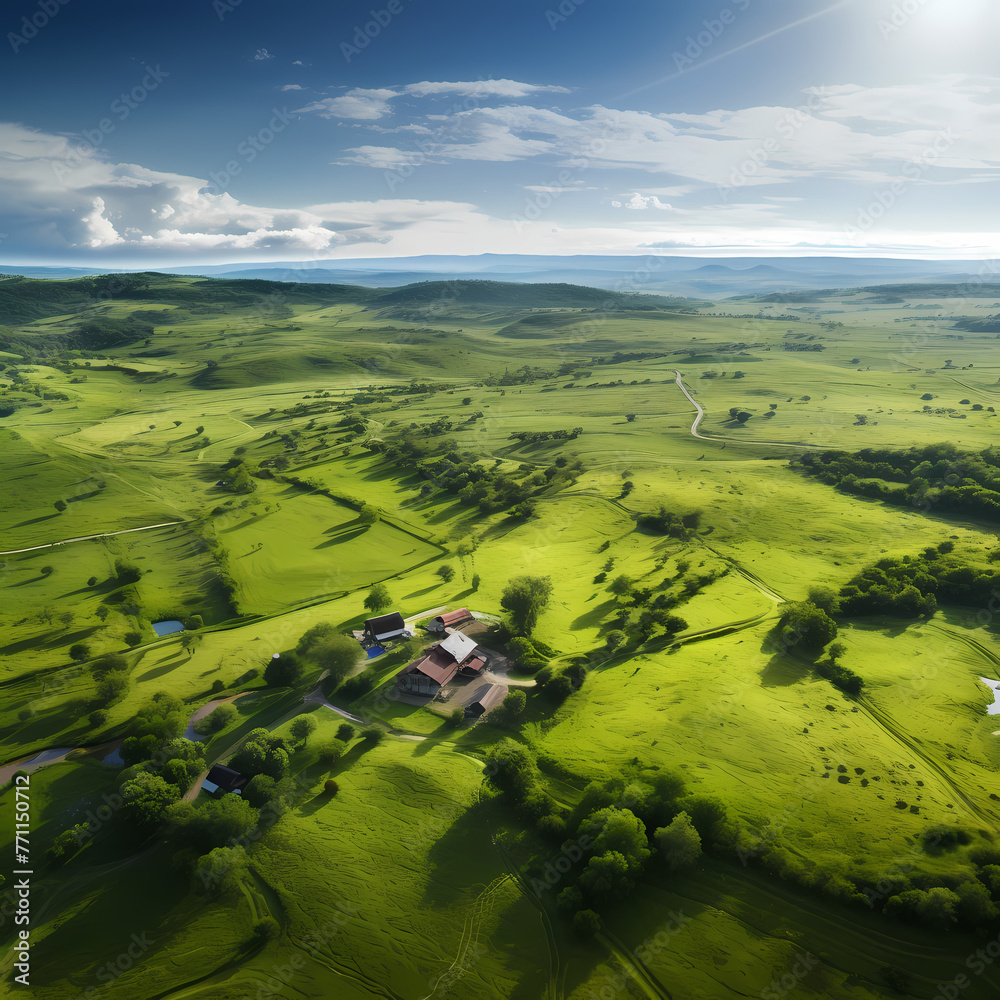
(239,130)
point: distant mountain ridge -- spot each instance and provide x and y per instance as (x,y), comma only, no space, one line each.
(686,276)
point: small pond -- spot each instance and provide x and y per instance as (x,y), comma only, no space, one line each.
(165,628)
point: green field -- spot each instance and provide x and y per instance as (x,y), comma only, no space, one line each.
(365,421)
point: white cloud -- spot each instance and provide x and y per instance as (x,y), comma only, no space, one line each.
(639,202)
(292,86)
(359,103)
(482,88)
(262,55)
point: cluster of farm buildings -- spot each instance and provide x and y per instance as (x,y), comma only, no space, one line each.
(454,656)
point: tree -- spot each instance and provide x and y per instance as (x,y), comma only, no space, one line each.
(586,923)
(446,572)
(200,429)
(510,769)
(302,728)
(79,651)
(221,870)
(679,842)
(329,753)
(373,734)
(606,879)
(378,598)
(630,417)
(510,709)
(60,505)
(283,671)
(476,580)
(743,416)
(803,624)
(619,831)
(466,401)
(145,799)
(368,514)
(92,581)
(337,654)
(525,598)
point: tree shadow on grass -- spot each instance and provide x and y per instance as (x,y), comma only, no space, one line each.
(317,802)
(36,520)
(594,616)
(163,668)
(347,535)
(781,671)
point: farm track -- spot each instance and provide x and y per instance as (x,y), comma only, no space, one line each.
(650,985)
(88,538)
(730,440)
(557,975)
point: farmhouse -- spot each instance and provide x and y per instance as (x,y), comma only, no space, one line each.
(441,665)
(450,619)
(487,697)
(225,779)
(385,627)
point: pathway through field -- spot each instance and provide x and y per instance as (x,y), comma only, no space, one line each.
(87,538)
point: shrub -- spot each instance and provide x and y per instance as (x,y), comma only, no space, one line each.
(373,734)
(330,786)
(345,732)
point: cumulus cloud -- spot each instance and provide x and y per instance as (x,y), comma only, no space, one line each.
(359,103)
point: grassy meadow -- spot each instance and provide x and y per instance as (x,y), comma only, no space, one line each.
(408,882)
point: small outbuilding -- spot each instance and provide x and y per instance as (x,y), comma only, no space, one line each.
(487,697)
(388,626)
(225,779)
(450,619)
